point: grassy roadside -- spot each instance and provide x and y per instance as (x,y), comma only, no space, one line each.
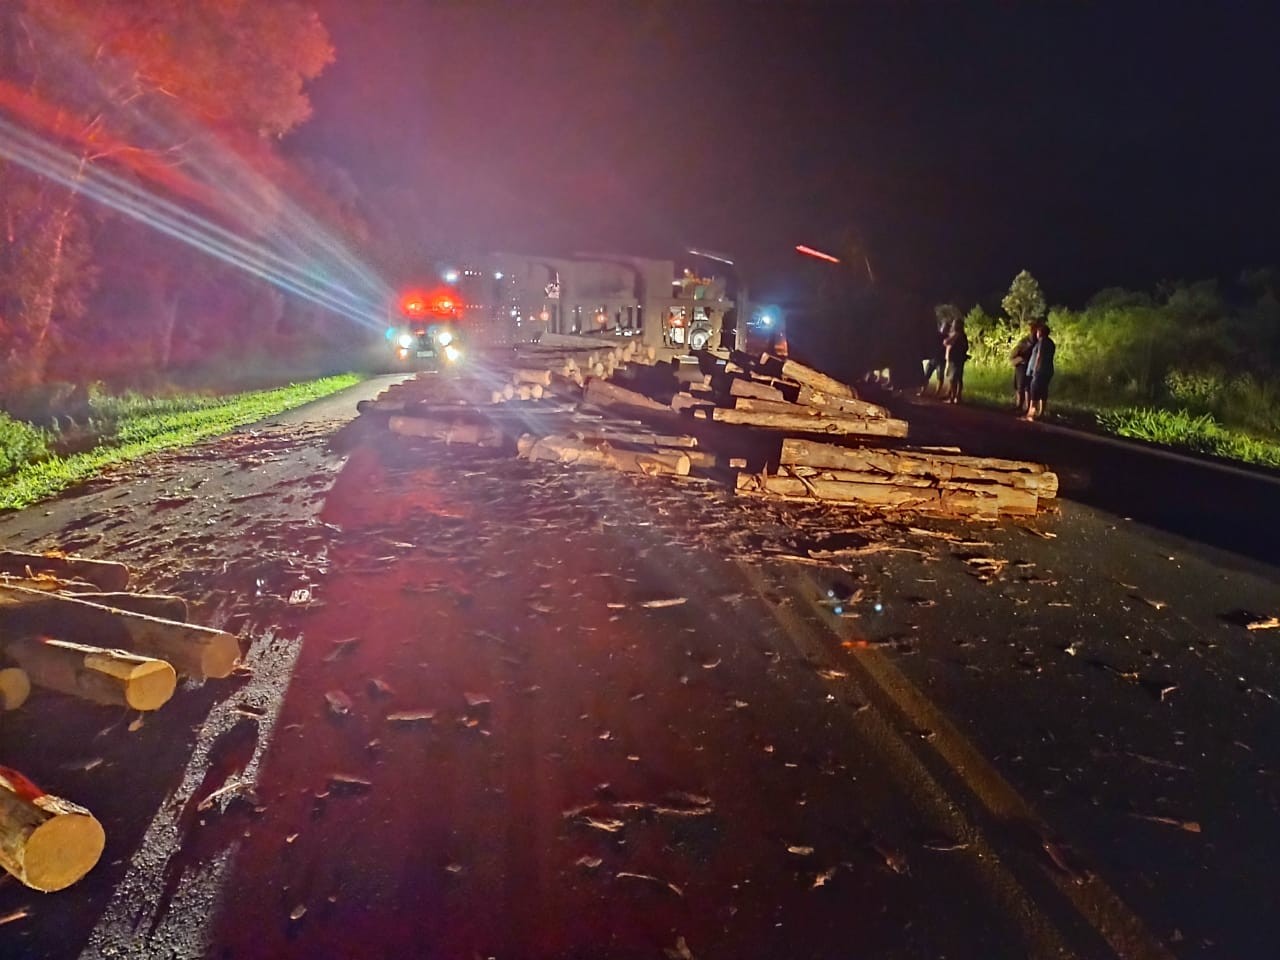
(132,427)
(1174,427)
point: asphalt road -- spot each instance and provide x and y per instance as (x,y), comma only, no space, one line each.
(511,710)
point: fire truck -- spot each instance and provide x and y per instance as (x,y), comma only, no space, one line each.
(425,329)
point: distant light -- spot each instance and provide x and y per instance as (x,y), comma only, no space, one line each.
(498,275)
(766,320)
(451,276)
(810,252)
(406,340)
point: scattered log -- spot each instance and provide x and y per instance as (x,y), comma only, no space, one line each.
(990,501)
(803,423)
(600,393)
(112,677)
(195,651)
(918,463)
(756,391)
(814,379)
(622,436)
(542,377)
(161,605)
(857,408)
(686,401)
(47,843)
(561,449)
(15,687)
(105,574)
(477,434)
(753,405)
(380,405)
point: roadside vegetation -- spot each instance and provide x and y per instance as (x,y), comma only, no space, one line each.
(1188,366)
(38,462)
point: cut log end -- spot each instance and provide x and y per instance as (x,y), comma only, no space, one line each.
(15,687)
(61,850)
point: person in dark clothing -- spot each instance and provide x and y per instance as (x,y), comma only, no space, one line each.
(1019,357)
(937,362)
(957,354)
(1040,372)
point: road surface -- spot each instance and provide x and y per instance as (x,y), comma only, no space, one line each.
(497,709)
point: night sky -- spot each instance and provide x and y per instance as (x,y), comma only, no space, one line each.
(1096,144)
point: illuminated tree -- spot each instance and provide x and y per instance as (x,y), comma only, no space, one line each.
(139,85)
(1024,302)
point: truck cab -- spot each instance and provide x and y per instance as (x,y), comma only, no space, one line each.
(425,329)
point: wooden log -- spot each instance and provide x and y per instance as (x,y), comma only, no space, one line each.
(476,434)
(857,408)
(773,406)
(542,377)
(50,584)
(46,843)
(600,393)
(105,574)
(738,387)
(563,449)
(194,651)
(381,406)
(162,605)
(803,423)
(814,379)
(15,687)
(943,466)
(686,401)
(112,677)
(623,436)
(991,501)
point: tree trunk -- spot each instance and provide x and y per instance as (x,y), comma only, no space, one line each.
(46,842)
(111,677)
(44,302)
(195,651)
(476,434)
(561,449)
(739,387)
(917,463)
(990,501)
(855,408)
(105,574)
(815,380)
(803,423)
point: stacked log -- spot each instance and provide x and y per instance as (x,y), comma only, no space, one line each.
(769,393)
(903,479)
(600,453)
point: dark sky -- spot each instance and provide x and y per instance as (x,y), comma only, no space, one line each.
(1096,144)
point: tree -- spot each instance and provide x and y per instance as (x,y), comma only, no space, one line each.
(1024,302)
(141,85)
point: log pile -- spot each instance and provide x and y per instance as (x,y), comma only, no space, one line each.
(770,393)
(921,480)
(766,408)
(69,626)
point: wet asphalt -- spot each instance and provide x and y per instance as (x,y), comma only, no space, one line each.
(512,710)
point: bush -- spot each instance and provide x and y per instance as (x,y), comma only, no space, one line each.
(20,443)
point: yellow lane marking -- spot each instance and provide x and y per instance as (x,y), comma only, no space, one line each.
(1044,941)
(1093,898)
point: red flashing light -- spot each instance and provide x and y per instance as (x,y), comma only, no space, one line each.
(414,306)
(810,252)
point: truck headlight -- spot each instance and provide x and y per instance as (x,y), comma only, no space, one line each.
(452,354)
(406,341)
(444,338)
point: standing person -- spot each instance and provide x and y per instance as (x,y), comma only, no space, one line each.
(957,353)
(1040,372)
(1019,357)
(937,362)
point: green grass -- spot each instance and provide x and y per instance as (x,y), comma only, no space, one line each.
(1118,414)
(132,426)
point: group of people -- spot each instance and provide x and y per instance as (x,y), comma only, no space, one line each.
(1032,361)
(950,352)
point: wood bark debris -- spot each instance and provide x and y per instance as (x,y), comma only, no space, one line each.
(47,843)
